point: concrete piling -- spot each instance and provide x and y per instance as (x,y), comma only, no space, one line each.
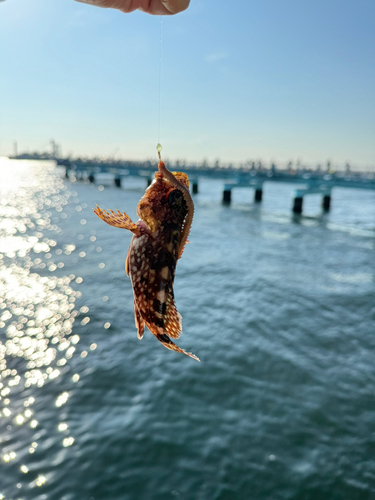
(258,195)
(297,205)
(117,180)
(326,202)
(227,195)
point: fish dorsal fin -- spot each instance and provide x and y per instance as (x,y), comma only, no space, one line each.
(139,322)
(172,320)
(165,313)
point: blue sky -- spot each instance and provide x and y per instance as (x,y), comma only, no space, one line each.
(275,80)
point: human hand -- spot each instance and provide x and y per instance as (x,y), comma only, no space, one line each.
(156,7)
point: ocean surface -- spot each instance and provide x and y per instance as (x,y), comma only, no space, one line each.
(280,309)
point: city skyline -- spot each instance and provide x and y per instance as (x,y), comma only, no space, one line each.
(276,82)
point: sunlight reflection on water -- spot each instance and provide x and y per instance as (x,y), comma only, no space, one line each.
(37,310)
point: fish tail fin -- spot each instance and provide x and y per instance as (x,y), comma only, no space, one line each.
(166,341)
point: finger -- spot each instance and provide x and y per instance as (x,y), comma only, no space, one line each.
(123,5)
(156,7)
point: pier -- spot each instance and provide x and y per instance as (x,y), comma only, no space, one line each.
(313,182)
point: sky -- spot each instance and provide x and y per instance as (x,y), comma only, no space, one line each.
(240,80)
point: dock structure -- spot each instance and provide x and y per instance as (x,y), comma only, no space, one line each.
(256,185)
(312,188)
(306,183)
(309,184)
(242,180)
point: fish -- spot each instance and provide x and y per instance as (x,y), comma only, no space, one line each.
(165,214)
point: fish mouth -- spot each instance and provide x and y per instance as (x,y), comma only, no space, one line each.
(182,178)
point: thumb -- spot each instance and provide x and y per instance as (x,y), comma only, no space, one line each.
(175,6)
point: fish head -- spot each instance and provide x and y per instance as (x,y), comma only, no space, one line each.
(163,203)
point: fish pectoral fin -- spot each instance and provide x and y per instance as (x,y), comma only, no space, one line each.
(139,322)
(117,219)
(166,341)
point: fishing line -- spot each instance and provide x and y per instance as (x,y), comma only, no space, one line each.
(158,147)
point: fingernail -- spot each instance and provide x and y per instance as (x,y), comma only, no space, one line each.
(99,3)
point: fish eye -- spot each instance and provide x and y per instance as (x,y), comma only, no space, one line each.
(174,198)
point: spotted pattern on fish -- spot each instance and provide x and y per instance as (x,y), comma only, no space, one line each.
(159,237)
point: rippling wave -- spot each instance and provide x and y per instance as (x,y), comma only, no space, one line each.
(280,310)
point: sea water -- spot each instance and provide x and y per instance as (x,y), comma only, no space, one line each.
(280,309)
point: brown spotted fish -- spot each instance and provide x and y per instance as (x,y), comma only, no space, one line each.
(159,237)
